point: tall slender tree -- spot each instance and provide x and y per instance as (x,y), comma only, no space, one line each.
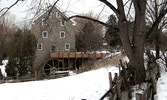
(6,30)
(154,9)
(89,36)
(111,35)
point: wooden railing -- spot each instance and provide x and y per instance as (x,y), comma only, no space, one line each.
(33,77)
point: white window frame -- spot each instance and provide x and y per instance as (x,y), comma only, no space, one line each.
(43,36)
(58,15)
(67,44)
(61,23)
(61,35)
(41,48)
(43,22)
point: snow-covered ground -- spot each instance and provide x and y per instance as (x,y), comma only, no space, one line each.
(162,87)
(88,85)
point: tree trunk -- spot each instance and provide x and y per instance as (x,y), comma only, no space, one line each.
(134,52)
(133,43)
(1,58)
(0,61)
(157,43)
(138,64)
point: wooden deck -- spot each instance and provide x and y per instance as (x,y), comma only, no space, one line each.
(77,55)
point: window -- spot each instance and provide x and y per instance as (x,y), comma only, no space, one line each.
(45,34)
(63,22)
(53,48)
(67,46)
(58,15)
(39,46)
(50,14)
(62,34)
(44,22)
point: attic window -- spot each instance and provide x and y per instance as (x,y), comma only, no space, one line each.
(44,22)
(58,15)
(39,46)
(50,14)
(62,34)
(63,22)
(45,34)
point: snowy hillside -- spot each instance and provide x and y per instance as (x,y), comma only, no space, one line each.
(89,85)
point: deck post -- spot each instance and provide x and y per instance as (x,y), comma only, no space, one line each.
(58,62)
(63,63)
(68,60)
(75,62)
(53,63)
(82,59)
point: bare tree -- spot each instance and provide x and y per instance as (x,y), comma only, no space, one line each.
(89,36)
(154,9)
(6,29)
(134,48)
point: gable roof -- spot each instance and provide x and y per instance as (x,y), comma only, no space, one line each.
(63,14)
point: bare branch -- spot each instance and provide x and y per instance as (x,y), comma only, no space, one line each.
(50,10)
(8,8)
(88,18)
(101,12)
(110,6)
(156,23)
(129,9)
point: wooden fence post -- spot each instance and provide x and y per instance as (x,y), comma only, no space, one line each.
(139,96)
(110,79)
(118,85)
(125,95)
(110,82)
(154,84)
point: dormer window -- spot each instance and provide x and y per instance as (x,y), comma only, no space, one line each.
(62,34)
(44,22)
(45,34)
(58,15)
(63,22)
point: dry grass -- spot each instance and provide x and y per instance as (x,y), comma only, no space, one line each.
(114,61)
(96,64)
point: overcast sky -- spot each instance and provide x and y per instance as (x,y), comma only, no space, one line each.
(71,6)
